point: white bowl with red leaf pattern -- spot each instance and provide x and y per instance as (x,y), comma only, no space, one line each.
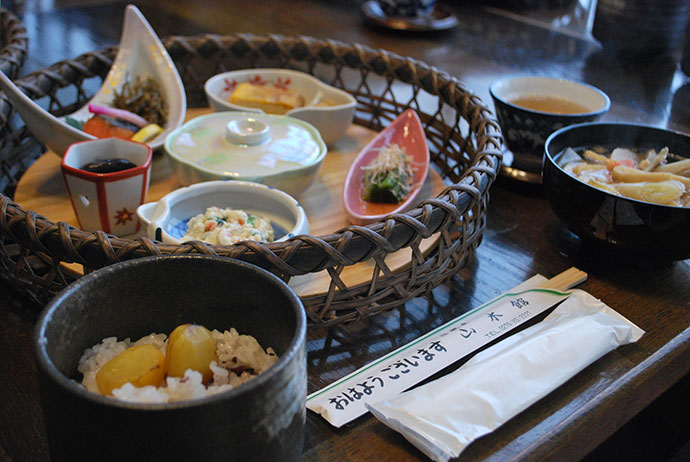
(328,108)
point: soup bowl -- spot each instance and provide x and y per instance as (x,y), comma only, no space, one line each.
(628,226)
(262,419)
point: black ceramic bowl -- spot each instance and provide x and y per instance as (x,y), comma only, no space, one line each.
(262,419)
(643,229)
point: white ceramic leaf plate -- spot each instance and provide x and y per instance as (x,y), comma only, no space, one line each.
(141,54)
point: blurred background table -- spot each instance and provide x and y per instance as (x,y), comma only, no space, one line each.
(630,404)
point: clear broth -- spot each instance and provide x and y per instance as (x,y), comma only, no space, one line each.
(550,104)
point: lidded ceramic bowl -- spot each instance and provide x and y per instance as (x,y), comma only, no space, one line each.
(278,151)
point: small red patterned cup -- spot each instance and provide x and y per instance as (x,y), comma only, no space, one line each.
(107,201)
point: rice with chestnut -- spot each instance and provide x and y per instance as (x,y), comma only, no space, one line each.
(238,359)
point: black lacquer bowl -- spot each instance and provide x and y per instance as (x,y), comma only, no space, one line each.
(262,419)
(638,229)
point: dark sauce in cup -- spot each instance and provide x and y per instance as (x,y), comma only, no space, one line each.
(108,166)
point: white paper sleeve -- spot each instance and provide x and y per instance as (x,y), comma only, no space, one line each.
(443,417)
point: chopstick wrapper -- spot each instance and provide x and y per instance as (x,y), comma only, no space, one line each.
(443,417)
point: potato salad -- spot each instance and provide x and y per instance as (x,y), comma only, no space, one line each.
(227,226)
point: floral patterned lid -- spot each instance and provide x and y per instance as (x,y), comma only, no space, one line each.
(247,144)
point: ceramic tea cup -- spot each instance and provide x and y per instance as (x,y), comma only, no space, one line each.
(529,109)
(107,179)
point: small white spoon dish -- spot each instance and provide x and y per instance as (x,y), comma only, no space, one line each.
(166,220)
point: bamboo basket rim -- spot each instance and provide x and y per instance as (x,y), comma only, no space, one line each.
(14,43)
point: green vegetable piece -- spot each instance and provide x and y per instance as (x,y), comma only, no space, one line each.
(74,123)
(388,178)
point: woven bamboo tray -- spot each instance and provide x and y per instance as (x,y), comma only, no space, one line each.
(464,143)
(14,45)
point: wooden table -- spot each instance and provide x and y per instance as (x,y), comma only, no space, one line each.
(523,237)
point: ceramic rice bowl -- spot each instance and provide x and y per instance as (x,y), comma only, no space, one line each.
(259,420)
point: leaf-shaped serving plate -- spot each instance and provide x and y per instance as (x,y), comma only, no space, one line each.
(140,54)
(406,131)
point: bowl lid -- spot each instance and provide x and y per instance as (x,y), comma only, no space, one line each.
(246,144)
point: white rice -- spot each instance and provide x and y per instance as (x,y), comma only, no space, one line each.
(235,352)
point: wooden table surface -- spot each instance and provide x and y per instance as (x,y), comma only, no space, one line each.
(523,235)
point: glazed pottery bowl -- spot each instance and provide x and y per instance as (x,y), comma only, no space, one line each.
(637,228)
(525,130)
(279,151)
(328,108)
(166,220)
(264,417)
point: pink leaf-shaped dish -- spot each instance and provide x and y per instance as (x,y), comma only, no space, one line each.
(406,131)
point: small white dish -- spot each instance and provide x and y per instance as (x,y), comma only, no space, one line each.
(328,108)
(141,54)
(166,220)
(275,150)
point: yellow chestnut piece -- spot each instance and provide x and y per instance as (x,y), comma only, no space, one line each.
(190,346)
(140,365)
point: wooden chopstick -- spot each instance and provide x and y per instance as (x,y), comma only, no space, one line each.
(565,280)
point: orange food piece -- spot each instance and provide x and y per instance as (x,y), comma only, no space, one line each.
(190,346)
(271,100)
(101,128)
(140,365)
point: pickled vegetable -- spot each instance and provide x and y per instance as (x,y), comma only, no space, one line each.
(389,176)
(144,97)
(190,347)
(108,127)
(140,365)
(147,133)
